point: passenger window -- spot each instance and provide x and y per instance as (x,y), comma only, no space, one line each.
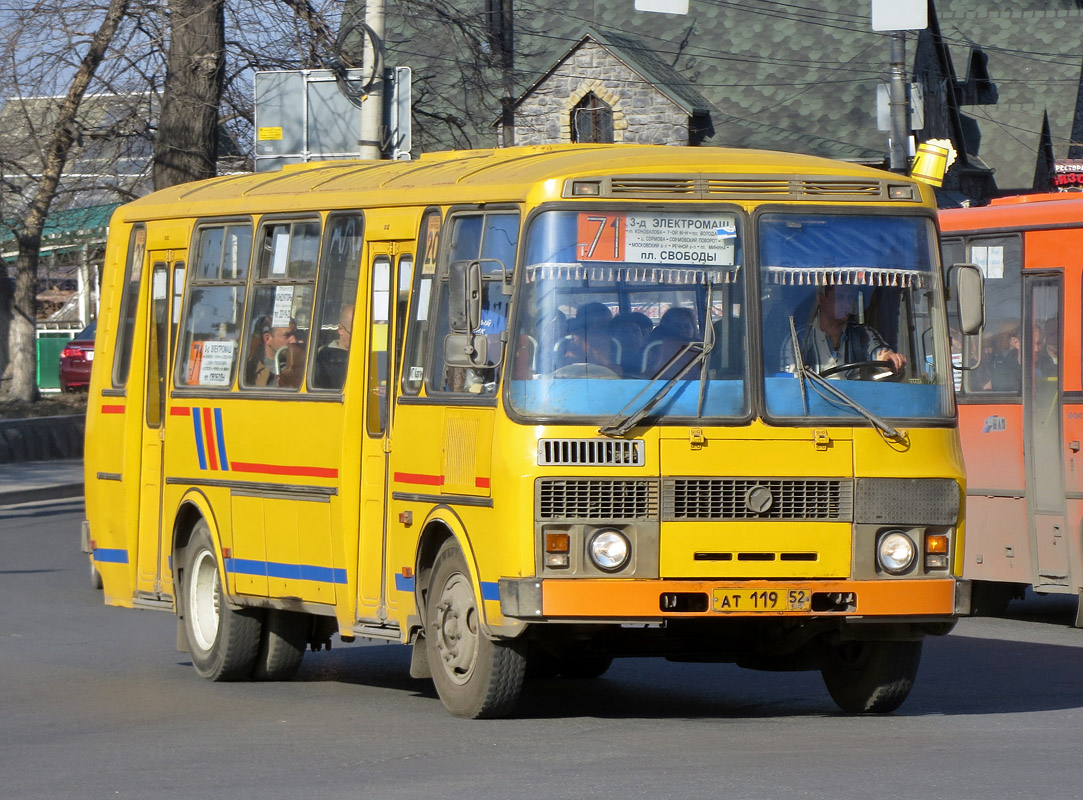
(413,367)
(999,370)
(211,334)
(280,313)
(334,325)
(129,305)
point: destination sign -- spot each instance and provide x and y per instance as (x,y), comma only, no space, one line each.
(665,237)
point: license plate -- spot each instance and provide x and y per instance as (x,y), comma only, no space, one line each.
(88,355)
(731,601)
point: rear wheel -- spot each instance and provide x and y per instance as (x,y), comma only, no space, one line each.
(222,642)
(474,675)
(870,677)
(282,645)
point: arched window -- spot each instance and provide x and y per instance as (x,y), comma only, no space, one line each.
(592,120)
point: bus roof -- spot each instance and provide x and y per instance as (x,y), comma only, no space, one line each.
(1014,213)
(513,174)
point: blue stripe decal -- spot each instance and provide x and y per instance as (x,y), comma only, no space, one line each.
(196,418)
(105,555)
(490,590)
(275,569)
(223,461)
(402,583)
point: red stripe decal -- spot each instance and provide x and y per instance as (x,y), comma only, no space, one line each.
(112,409)
(424,480)
(276,469)
(208,436)
(481,483)
(180,411)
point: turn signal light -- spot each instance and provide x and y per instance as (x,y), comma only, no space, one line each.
(557,542)
(936,543)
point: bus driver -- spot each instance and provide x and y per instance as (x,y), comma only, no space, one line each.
(834,337)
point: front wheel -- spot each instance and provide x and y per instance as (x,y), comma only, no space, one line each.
(222,642)
(474,675)
(870,677)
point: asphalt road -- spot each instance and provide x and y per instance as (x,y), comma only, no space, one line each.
(96,702)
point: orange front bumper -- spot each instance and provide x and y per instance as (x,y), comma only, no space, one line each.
(646,599)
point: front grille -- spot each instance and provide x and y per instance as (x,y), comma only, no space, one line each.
(757,499)
(907,501)
(590,452)
(589,499)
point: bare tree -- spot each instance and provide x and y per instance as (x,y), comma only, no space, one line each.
(64,130)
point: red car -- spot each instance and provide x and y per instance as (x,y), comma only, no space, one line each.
(76,359)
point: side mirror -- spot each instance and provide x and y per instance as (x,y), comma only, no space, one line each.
(464,296)
(466,350)
(968,287)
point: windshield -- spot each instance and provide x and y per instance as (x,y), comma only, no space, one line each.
(616,303)
(860,296)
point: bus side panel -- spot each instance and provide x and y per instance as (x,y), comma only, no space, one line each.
(992,437)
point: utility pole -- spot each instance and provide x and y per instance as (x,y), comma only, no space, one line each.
(899,104)
(372,108)
(897,17)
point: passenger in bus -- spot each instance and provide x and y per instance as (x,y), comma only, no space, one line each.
(675,330)
(588,348)
(1047,359)
(1000,370)
(331,359)
(631,330)
(833,336)
(267,341)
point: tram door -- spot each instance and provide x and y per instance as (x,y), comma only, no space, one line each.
(1044,450)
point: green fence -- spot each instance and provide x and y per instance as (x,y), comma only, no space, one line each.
(50,345)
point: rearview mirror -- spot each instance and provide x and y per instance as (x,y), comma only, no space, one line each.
(968,289)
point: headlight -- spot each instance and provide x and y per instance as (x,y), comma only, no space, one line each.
(896,552)
(609,550)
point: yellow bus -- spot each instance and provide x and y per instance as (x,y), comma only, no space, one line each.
(531,409)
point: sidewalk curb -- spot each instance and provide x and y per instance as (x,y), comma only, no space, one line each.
(39,493)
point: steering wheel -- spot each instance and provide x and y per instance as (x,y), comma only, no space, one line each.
(876,370)
(584,369)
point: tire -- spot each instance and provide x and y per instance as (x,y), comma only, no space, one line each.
(870,677)
(476,677)
(222,642)
(282,646)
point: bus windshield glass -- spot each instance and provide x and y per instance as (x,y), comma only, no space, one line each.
(859,296)
(615,305)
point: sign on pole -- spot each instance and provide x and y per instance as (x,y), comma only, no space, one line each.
(899,15)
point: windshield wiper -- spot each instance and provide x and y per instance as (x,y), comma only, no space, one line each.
(622,422)
(849,402)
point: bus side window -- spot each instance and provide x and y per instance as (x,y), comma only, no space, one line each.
(999,370)
(280,313)
(333,327)
(413,365)
(210,336)
(129,304)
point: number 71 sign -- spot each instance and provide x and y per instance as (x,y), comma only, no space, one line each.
(600,237)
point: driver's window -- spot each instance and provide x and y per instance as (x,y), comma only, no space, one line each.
(491,238)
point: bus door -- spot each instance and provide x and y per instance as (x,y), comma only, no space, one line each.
(166,289)
(1043,451)
(390,270)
